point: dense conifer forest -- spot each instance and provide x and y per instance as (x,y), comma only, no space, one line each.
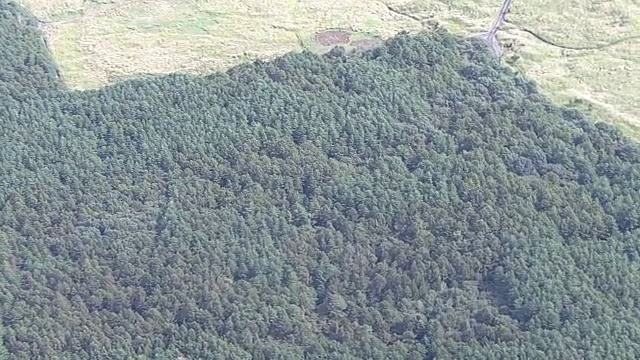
(414,201)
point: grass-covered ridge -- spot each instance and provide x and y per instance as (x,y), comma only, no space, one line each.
(413,201)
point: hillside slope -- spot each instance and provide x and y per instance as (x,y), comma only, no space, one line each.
(414,201)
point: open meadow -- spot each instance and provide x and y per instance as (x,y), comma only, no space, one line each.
(584,52)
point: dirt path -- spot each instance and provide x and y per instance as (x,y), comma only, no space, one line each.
(572,47)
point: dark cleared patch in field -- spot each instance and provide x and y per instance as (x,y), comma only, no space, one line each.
(332,37)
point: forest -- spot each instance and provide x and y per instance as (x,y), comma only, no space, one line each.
(418,200)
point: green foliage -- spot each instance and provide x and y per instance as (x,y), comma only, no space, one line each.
(25,67)
(413,201)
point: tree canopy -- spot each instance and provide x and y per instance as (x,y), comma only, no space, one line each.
(417,200)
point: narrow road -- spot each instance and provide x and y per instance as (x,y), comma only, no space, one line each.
(490,36)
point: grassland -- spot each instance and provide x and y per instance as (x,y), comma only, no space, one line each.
(96,42)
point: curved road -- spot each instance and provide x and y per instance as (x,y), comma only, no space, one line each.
(490,36)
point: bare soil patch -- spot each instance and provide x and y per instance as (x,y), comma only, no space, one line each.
(332,37)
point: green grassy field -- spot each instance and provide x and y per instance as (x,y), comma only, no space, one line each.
(97,42)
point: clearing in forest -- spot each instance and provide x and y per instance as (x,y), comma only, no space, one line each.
(580,51)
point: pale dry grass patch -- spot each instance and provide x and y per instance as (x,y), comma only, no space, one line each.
(609,77)
(96,43)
